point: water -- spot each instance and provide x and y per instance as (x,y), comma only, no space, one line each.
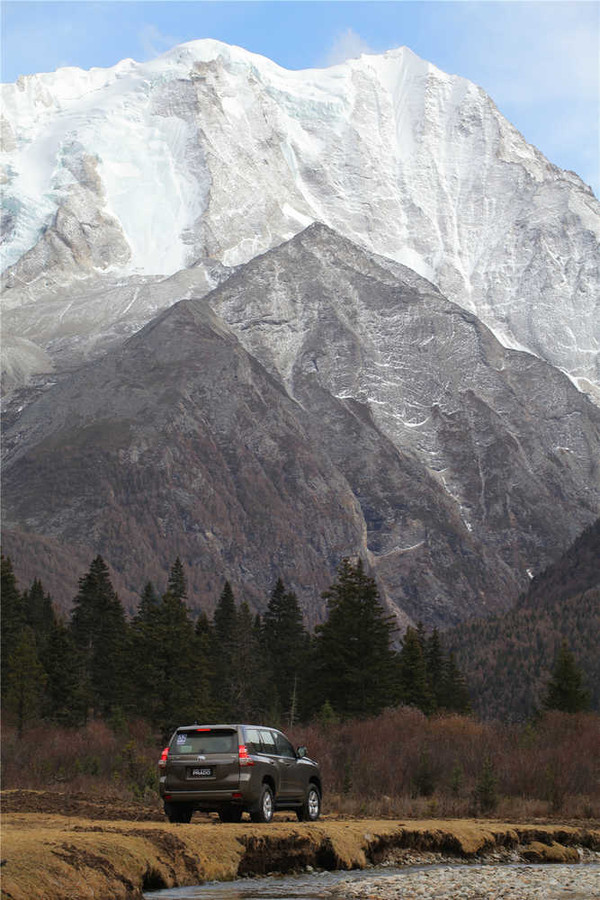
(274,887)
(303,887)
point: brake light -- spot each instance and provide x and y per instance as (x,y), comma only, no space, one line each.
(162,763)
(244,757)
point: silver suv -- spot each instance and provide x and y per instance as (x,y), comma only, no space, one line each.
(231,769)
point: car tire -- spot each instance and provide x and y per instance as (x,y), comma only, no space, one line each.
(179,812)
(230,814)
(263,812)
(311,808)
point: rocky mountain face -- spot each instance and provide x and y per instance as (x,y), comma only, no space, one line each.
(322,401)
(240,155)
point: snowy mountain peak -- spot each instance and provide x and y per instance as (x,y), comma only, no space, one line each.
(213,152)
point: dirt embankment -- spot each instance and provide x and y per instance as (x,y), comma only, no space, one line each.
(77,855)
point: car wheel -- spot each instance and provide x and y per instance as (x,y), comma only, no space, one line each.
(179,812)
(230,815)
(266,806)
(311,808)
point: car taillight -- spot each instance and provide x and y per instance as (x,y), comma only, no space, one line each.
(162,763)
(244,757)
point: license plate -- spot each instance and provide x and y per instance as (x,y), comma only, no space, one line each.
(201,772)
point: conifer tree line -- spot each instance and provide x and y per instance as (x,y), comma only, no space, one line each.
(169,669)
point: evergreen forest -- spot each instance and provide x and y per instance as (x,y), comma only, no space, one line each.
(170,668)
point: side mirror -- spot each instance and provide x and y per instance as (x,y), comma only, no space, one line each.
(301,752)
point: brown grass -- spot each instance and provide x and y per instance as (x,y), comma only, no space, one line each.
(52,858)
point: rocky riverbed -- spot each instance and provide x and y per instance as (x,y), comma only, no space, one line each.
(489,882)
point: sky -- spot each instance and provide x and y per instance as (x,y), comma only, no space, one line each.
(539,61)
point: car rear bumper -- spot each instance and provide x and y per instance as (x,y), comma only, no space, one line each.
(208,800)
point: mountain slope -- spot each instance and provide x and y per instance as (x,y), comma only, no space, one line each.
(240,154)
(508,658)
(322,401)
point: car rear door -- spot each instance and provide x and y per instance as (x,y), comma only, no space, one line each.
(291,774)
(268,757)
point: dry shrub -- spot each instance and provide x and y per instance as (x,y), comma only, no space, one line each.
(404,764)
(93,759)
(398,764)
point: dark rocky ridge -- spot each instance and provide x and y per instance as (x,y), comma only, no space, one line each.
(321,402)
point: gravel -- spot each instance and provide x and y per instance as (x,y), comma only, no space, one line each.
(487,882)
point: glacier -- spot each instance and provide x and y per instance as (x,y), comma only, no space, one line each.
(129,188)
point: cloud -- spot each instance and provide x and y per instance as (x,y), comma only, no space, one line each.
(154,42)
(346,45)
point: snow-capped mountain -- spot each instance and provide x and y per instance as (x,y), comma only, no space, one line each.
(127,189)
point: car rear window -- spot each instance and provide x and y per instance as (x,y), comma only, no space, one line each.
(267,740)
(199,741)
(259,740)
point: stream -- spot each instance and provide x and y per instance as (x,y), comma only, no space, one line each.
(575,881)
(312,886)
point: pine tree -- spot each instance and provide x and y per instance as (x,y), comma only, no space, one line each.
(178,687)
(12,616)
(422,637)
(565,691)
(326,716)
(177,586)
(434,661)
(39,612)
(203,628)
(222,654)
(485,792)
(247,675)
(455,695)
(457,779)
(203,633)
(146,687)
(25,680)
(285,643)
(149,603)
(413,682)
(99,630)
(354,655)
(65,699)
(180,663)
(225,616)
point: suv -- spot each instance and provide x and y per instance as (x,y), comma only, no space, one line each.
(231,769)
